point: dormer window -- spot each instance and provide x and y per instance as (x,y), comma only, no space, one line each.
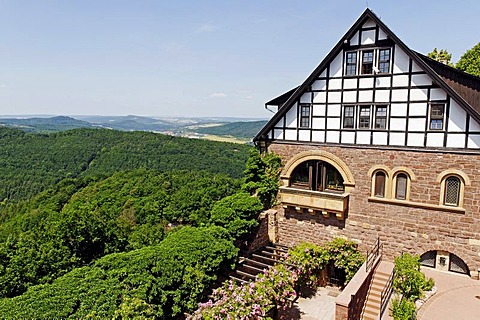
(367,62)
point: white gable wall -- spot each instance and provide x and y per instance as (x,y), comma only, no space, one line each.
(407,91)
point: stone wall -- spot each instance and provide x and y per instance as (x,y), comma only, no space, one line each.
(404,226)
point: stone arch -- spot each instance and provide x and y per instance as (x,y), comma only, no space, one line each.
(348,179)
(447,255)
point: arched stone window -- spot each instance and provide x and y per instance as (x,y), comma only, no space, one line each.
(401,184)
(316,175)
(380,183)
(452,187)
(452,191)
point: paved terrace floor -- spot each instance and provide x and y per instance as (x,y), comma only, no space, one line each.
(320,306)
(457,297)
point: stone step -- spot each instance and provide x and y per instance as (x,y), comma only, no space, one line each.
(245,274)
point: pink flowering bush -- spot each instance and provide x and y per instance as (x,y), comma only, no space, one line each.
(274,288)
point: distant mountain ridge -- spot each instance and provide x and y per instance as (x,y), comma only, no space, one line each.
(243,128)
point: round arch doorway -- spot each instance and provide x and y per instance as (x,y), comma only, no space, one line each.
(445,261)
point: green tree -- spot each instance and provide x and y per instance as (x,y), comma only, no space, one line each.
(470,61)
(409,280)
(237,213)
(442,56)
(261,176)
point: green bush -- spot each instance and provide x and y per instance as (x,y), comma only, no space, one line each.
(160,281)
(403,309)
(409,280)
(237,213)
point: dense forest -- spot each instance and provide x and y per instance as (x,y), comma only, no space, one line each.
(32,162)
(107,224)
(240,129)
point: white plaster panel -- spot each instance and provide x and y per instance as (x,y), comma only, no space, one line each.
(398,124)
(349,83)
(333,136)
(279,123)
(278,134)
(418,94)
(401,61)
(421,80)
(319,85)
(398,109)
(416,67)
(333,110)
(318,136)
(474,141)
(397,138)
(399,95)
(456,140)
(365,96)
(416,124)
(368,37)
(333,123)
(400,80)
(415,139)
(369,24)
(335,84)
(334,97)
(418,109)
(381,34)
(382,95)
(291,117)
(437,94)
(474,126)
(354,40)
(324,73)
(336,65)
(383,82)
(350,96)
(304,135)
(435,139)
(290,134)
(348,137)
(363,137)
(320,97)
(318,123)
(366,83)
(458,118)
(380,138)
(306,97)
(318,110)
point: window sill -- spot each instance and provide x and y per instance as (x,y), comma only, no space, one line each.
(413,204)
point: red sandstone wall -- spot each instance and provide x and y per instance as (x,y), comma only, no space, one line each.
(400,228)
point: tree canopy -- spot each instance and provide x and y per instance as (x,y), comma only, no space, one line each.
(442,56)
(470,61)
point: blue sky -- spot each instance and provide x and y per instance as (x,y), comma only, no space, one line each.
(191,58)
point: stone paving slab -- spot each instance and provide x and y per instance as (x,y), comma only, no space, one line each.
(321,306)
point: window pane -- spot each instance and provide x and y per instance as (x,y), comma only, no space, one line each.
(379,184)
(348,116)
(305,116)
(436,124)
(333,178)
(384,60)
(452,191)
(301,176)
(364,121)
(401,187)
(351,66)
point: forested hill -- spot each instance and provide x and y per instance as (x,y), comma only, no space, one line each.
(241,129)
(29,163)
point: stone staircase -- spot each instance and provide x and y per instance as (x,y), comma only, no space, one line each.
(249,266)
(371,309)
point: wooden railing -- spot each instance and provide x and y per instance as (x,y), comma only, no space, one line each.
(386,293)
(373,254)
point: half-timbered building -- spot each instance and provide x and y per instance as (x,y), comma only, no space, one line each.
(381,142)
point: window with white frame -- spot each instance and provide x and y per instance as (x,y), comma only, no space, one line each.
(364,117)
(369,61)
(437,112)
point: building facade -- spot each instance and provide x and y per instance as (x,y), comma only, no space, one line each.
(381,142)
